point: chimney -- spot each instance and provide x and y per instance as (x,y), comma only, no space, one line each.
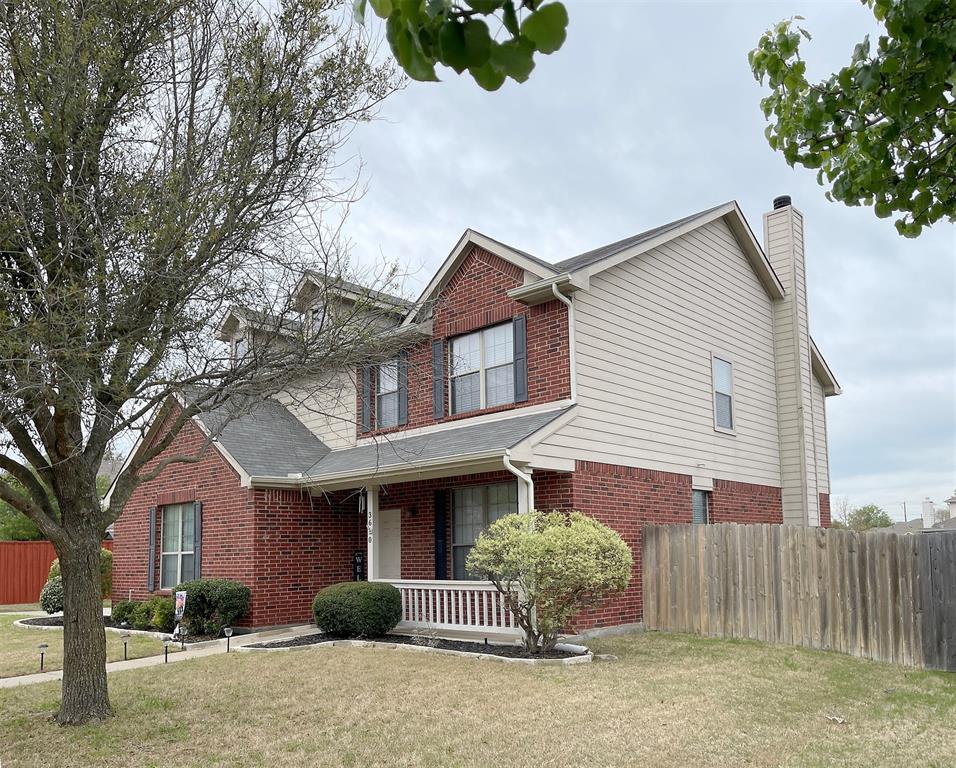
(930,517)
(783,244)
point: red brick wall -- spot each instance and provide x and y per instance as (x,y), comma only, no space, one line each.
(732,502)
(826,519)
(475,297)
(227,518)
(302,544)
(626,498)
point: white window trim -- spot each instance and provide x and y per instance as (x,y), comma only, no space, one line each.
(717,355)
(180,552)
(485,506)
(379,394)
(482,369)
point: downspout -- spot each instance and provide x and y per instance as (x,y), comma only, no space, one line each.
(523,477)
(572,362)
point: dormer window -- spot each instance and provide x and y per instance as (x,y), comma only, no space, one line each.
(317,318)
(482,369)
(386,397)
(240,348)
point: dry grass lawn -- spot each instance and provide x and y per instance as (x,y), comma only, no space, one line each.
(19,654)
(668,701)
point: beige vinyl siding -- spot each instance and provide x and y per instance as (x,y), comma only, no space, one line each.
(820,436)
(326,407)
(645,332)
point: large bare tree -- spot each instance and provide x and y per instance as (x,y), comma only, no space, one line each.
(160,161)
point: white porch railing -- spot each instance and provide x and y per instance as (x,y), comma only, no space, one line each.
(471,607)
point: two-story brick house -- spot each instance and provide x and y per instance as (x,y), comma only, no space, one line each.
(669,377)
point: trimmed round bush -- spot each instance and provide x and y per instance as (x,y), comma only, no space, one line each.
(142,616)
(212,604)
(106,571)
(358,609)
(51,596)
(122,611)
(162,614)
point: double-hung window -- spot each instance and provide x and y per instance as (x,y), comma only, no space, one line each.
(474,508)
(178,551)
(700,507)
(240,348)
(386,398)
(482,369)
(723,380)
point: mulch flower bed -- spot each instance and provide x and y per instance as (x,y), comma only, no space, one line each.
(507,651)
(57,621)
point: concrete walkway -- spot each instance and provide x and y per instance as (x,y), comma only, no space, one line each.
(197,651)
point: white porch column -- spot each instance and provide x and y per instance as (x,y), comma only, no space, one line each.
(371,509)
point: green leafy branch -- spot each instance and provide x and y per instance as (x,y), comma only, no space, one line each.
(424,33)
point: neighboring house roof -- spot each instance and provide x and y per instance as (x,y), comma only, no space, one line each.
(463,443)
(265,441)
(348,290)
(945,525)
(913,526)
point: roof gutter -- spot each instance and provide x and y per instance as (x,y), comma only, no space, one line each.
(572,358)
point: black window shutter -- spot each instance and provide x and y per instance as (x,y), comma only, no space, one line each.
(151,550)
(521,358)
(366,398)
(403,387)
(438,378)
(197,539)
(441,534)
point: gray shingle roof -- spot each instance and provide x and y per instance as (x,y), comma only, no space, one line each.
(266,441)
(451,443)
(591,257)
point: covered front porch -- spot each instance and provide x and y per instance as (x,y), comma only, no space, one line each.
(426,499)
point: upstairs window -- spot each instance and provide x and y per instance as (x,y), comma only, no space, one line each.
(723,378)
(317,318)
(701,507)
(386,397)
(240,348)
(481,368)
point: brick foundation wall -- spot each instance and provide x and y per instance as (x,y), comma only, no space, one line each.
(732,502)
(626,498)
(476,297)
(826,519)
(227,518)
(302,544)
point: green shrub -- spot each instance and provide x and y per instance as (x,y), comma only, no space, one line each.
(550,566)
(212,604)
(358,609)
(106,572)
(51,596)
(162,613)
(141,616)
(122,611)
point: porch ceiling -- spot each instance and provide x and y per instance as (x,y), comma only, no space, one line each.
(471,448)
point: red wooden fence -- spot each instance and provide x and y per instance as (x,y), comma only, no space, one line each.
(24,566)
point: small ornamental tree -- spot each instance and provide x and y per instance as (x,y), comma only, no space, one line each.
(548,567)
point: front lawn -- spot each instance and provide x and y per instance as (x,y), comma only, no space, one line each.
(19,654)
(669,701)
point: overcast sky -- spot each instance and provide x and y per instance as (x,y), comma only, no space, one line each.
(649,112)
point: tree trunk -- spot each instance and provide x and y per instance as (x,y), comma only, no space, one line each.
(85,696)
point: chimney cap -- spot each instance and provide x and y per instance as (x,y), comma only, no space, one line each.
(781,202)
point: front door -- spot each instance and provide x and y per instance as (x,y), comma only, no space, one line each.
(390,544)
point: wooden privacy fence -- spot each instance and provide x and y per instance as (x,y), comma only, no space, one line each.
(24,566)
(876,595)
